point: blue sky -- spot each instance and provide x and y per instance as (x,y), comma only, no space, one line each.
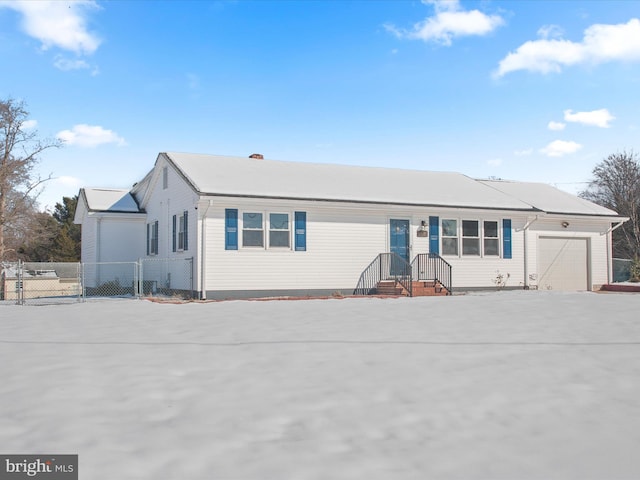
(524,90)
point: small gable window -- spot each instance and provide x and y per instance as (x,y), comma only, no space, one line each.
(165,178)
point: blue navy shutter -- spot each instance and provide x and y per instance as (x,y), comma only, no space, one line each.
(148,236)
(174,232)
(434,235)
(186,231)
(231,229)
(506,238)
(301,231)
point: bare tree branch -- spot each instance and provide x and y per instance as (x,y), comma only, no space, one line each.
(20,149)
(616,185)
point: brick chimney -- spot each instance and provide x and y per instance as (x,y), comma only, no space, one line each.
(257,156)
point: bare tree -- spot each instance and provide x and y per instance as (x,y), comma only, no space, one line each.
(616,185)
(19,151)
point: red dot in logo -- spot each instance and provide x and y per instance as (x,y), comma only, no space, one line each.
(48,462)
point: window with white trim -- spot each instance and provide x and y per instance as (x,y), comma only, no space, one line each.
(449,237)
(279,230)
(491,240)
(181,232)
(252,229)
(152,238)
(471,237)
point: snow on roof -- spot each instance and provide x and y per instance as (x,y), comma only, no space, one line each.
(548,199)
(222,175)
(110,200)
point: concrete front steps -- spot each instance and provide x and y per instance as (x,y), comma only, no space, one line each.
(420,289)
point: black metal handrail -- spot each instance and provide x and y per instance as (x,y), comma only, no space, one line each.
(386,266)
(432,267)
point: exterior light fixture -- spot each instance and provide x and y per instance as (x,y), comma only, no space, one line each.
(565,224)
(423,230)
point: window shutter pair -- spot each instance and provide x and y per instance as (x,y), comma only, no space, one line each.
(231,230)
(185,233)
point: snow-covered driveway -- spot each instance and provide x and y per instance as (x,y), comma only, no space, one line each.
(506,385)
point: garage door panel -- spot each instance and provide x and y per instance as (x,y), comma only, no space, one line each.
(563,263)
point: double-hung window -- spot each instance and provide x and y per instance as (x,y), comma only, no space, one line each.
(252,230)
(279,230)
(152,238)
(471,237)
(491,242)
(449,237)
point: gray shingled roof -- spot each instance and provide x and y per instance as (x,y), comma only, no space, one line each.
(221,175)
(110,200)
(548,199)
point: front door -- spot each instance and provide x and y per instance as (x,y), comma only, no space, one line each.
(399,243)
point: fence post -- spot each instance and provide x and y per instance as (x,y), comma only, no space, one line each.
(83,285)
(20,286)
(140,278)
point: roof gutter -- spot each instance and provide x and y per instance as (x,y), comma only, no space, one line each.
(622,221)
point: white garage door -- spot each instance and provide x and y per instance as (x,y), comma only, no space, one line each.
(563,264)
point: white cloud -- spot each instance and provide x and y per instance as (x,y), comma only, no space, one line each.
(601,43)
(449,21)
(89,136)
(494,162)
(556,125)
(550,31)
(29,124)
(597,118)
(523,153)
(67,181)
(65,64)
(560,148)
(57,24)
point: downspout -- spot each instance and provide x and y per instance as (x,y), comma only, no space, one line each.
(203,251)
(526,251)
(608,233)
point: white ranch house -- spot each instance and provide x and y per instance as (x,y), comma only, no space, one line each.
(257,228)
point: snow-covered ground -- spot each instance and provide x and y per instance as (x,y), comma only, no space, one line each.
(505,385)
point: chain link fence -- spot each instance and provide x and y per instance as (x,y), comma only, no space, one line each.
(621,269)
(166,277)
(46,283)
